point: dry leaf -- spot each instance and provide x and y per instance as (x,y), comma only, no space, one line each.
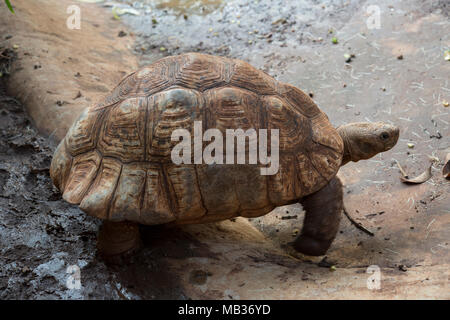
(446,169)
(424,176)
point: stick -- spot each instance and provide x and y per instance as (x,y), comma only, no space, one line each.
(401,170)
(356,224)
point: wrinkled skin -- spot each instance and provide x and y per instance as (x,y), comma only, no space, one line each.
(363,140)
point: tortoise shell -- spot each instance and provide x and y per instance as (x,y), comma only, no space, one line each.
(115,161)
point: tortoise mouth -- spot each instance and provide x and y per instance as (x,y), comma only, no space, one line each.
(389,135)
(395,133)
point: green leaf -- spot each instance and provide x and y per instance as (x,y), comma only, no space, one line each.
(8,4)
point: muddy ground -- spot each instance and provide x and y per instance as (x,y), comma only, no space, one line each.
(41,235)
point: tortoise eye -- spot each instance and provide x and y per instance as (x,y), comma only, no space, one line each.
(384,136)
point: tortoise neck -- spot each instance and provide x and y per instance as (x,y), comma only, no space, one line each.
(347,157)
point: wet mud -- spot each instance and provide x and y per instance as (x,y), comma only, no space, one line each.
(41,235)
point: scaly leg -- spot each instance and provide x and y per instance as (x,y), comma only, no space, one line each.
(323,214)
(118,240)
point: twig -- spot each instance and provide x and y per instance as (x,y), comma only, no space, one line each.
(401,169)
(356,224)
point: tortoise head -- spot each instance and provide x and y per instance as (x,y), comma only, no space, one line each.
(363,140)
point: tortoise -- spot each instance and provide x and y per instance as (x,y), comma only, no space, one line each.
(115,161)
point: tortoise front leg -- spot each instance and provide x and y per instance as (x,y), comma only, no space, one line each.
(322,216)
(118,240)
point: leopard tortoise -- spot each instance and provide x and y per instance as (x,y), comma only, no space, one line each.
(115,161)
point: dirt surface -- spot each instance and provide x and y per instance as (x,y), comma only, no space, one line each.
(41,235)
(60,70)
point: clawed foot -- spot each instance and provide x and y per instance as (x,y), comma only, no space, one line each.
(310,246)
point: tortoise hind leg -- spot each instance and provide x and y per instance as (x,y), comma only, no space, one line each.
(117,241)
(323,214)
